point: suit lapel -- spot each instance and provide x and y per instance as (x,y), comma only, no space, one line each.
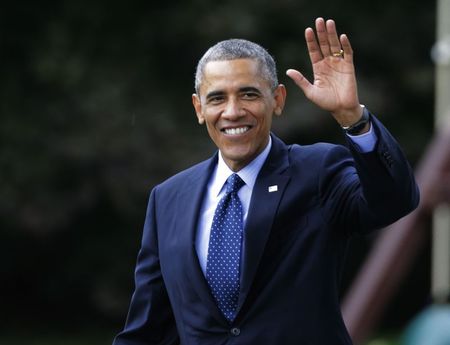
(263,208)
(189,205)
(267,192)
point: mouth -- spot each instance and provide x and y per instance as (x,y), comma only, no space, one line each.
(236,131)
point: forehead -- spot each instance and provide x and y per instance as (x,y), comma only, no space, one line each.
(241,65)
(232,74)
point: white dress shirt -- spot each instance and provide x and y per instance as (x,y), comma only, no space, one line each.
(215,190)
(365,142)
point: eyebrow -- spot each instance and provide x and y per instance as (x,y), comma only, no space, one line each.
(214,94)
(242,89)
(250,88)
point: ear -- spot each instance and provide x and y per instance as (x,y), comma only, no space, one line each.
(198,108)
(280,99)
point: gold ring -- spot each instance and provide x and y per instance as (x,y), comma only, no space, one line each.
(339,54)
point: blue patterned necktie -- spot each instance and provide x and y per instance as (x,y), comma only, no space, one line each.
(224,251)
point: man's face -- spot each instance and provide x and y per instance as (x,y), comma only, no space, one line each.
(237,104)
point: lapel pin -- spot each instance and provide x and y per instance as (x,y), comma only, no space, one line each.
(273,188)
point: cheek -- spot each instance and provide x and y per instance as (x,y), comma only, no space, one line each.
(265,122)
(212,131)
(210,121)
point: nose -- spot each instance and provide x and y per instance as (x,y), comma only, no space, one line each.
(233,110)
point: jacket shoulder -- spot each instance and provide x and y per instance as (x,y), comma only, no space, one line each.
(189,175)
(317,151)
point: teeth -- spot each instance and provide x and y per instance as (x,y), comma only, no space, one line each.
(234,131)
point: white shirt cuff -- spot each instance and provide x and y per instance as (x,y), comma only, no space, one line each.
(365,142)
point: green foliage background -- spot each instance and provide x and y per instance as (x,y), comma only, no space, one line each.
(95,109)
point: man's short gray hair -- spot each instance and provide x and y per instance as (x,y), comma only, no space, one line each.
(233,49)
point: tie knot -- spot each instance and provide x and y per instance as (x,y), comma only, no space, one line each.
(234,183)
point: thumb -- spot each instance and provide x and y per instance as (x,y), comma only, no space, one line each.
(300,80)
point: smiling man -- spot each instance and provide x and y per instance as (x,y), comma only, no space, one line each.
(236,102)
(248,246)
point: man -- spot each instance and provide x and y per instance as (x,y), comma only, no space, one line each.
(248,246)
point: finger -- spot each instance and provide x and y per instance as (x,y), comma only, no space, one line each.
(315,53)
(347,47)
(300,80)
(335,45)
(322,37)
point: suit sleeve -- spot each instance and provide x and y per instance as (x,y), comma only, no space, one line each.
(150,320)
(365,191)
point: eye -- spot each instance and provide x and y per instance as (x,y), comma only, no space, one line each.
(215,99)
(250,95)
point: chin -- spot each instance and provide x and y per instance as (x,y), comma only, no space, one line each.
(238,157)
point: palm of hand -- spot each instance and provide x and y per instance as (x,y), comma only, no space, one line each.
(334,85)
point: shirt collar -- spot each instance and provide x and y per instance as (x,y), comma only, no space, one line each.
(248,174)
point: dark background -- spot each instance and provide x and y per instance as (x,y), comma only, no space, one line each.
(95,109)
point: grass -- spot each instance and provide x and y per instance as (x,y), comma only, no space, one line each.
(105,338)
(384,340)
(100,338)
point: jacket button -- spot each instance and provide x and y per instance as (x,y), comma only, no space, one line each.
(235,331)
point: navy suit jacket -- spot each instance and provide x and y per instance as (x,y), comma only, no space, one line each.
(293,247)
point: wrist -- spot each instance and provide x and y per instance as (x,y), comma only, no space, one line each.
(348,117)
(361,125)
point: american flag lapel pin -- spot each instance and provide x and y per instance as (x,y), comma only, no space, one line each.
(273,188)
